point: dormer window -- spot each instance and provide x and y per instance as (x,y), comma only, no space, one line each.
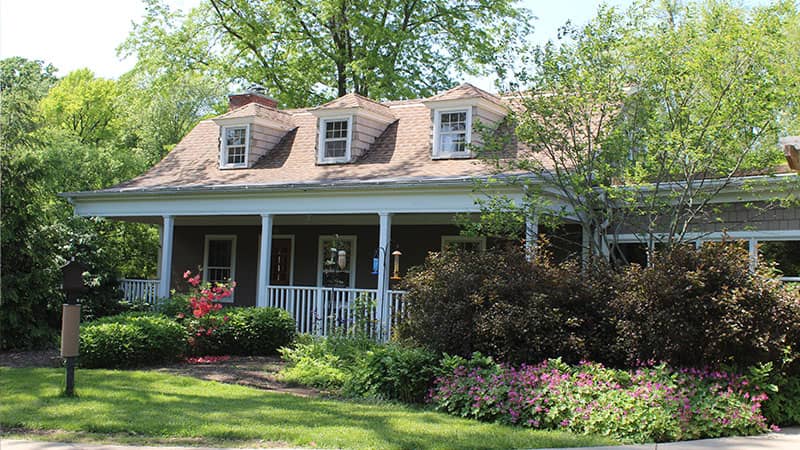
(334,140)
(452,132)
(235,146)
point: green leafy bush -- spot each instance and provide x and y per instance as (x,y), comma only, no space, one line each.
(696,308)
(393,372)
(500,304)
(323,363)
(130,340)
(244,331)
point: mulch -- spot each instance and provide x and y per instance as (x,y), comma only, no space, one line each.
(259,372)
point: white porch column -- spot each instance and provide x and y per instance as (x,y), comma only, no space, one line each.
(531,236)
(384,258)
(167,230)
(160,253)
(753,248)
(264,260)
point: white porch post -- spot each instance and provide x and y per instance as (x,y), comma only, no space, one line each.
(160,253)
(166,256)
(265,259)
(753,248)
(384,253)
(531,236)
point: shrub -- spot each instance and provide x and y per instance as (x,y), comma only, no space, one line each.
(499,303)
(393,372)
(323,363)
(130,340)
(244,331)
(643,405)
(705,308)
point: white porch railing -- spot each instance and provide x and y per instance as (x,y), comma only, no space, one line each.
(140,290)
(323,310)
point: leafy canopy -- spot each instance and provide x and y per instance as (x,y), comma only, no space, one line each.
(304,52)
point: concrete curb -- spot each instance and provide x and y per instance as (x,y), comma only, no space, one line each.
(788,439)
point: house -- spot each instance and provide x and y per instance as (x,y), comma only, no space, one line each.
(304,206)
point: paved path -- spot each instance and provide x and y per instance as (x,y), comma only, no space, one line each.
(788,439)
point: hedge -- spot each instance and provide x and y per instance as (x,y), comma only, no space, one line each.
(131,340)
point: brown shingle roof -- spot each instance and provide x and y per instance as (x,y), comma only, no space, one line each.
(357,101)
(466,90)
(255,109)
(401,152)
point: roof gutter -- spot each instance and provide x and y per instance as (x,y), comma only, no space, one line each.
(256,188)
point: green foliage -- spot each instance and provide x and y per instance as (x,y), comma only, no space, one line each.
(131,340)
(245,331)
(40,159)
(83,105)
(783,406)
(704,307)
(393,372)
(22,84)
(324,363)
(306,53)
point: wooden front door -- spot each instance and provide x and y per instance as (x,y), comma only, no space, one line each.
(281,265)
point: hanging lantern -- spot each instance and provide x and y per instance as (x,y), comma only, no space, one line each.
(396,273)
(342,259)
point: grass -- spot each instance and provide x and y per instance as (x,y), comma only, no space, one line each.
(150,407)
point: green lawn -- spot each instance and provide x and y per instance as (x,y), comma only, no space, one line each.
(151,407)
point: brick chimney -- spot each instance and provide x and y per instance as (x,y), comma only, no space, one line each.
(253,94)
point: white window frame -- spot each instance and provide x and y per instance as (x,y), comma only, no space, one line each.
(221,237)
(437,125)
(480,240)
(223,145)
(323,124)
(353,257)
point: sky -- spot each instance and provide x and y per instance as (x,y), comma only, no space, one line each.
(72,34)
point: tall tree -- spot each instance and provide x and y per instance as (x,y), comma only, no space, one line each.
(23,83)
(643,118)
(84,105)
(307,51)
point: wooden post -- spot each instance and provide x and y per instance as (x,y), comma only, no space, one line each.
(73,286)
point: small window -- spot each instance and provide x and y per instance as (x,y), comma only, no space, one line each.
(463,243)
(219,260)
(337,261)
(335,140)
(452,132)
(235,143)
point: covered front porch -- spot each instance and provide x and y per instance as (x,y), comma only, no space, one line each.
(321,252)
(327,270)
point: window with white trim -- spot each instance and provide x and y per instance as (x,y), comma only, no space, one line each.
(337,261)
(235,146)
(452,132)
(463,243)
(334,141)
(219,260)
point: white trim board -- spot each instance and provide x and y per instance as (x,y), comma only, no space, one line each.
(441,200)
(767,235)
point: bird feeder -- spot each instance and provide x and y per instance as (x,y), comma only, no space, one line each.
(396,272)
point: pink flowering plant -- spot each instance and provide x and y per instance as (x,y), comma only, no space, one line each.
(197,308)
(650,403)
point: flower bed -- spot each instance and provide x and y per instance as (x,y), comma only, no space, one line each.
(648,404)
